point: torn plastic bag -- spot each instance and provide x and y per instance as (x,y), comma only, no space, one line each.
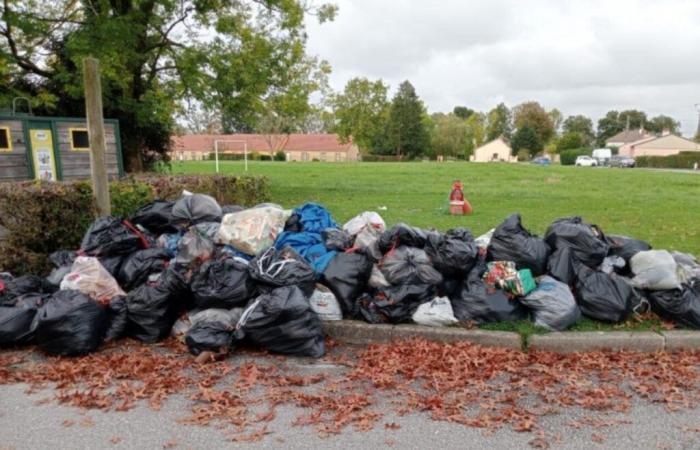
(273,269)
(282,321)
(512,242)
(561,266)
(253,230)
(211,330)
(335,239)
(626,247)
(587,242)
(156,217)
(454,253)
(11,288)
(117,318)
(16,321)
(347,276)
(435,313)
(324,303)
(603,297)
(69,323)
(196,208)
(309,245)
(138,266)
(209,229)
(169,242)
(655,270)
(223,282)
(111,236)
(152,308)
(401,235)
(613,264)
(679,305)
(688,265)
(409,265)
(194,247)
(484,240)
(377,279)
(89,277)
(366,229)
(395,304)
(553,305)
(314,218)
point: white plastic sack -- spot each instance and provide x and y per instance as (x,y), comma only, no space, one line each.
(435,313)
(88,276)
(254,230)
(366,228)
(484,240)
(377,279)
(324,303)
(553,305)
(655,270)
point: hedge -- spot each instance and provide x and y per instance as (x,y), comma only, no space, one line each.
(568,157)
(43,217)
(252,156)
(683,160)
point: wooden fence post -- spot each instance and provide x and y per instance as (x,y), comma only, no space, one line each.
(96,135)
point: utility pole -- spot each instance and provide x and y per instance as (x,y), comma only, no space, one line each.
(96,135)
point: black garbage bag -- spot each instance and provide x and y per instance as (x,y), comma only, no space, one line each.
(156,217)
(137,267)
(16,321)
(293,224)
(110,236)
(11,288)
(602,296)
(229,209)
(336,239)
(282,321)
(587,242)
(69,323)
(117,318)
(223,282)
(401,234)
(212,336)
(347,276)
(272,269)
(512,242)
(196,208)
(152,308)
(561,266)
(453,253)
(679,305)
(395,304)
(448,287)
(626,247)
(409,265)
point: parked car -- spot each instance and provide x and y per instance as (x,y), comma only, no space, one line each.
(602,155)
(541,161)
(586,161)
(622,161)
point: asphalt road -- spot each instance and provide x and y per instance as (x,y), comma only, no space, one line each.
(27,422)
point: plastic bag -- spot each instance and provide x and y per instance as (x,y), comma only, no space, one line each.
(111,236)
(282,321)
(626,247)
(285,267)
(228,209)
(11,288)
(152,308)
(552,304)
(688,266)
(308,245)
(69,323)
(484,240)
(561,266)
(612,264)
(504,275)
(395,304)
(16,321)
(401,235)
(408,265)
(679,305)
(211,330)
(377,279)
(324,303)
(223,282)
(335,239)
(117,318)
(89,277)
(436,313)
(156,217)
(138,266)
(196,208)
(655,270)
(512,242)
(194,246)
(314,218)
(366,229)
(603,297)
(454,253)
(587,242)
(347,276)
(253,230)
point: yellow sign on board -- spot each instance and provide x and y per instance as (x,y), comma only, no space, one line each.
(42,152)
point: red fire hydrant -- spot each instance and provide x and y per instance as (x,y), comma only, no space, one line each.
(458,204)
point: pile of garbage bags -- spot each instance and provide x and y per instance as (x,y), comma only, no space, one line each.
(219,277)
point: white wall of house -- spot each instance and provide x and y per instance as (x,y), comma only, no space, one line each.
(663,146)
(496,150)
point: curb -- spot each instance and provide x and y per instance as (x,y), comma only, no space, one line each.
(361,333)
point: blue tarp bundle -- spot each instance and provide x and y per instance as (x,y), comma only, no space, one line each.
(315,218)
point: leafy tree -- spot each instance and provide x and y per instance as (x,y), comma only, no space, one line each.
(360,112)
(533,115)
(633,119)
(556,117)
(462,112)
(527,138)
(406,129)
(238,57)
(608,126)
(582,125)
(662,123)
(476,132)
(697,136)
(571,140)
(449,135)
(499,123)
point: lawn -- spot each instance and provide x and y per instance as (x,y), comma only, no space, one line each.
(659,207)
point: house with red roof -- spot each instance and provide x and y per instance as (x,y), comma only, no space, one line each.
(296,147)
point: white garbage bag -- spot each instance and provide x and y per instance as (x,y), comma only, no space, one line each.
(254,230)
(655,270)
(88,276)
(484,240)
(324,303)
(435,313)
(366,228)
(377,279)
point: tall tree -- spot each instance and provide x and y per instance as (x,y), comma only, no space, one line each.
(633,119)
(527,138)
(476,132)
(608,126)
(154,53)
(571,140)
(499,123)
(662,123)
(406,129)
(462,112)
(360,112)
(449,135)
(535,116)
(557,118)
(582,125)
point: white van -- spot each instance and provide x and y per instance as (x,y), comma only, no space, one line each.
(602,155)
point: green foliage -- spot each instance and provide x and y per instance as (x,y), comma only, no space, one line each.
(568,157)
(582,125)
(462,112)
(524,155)
(615,122)
(534,116)
(280,156)
(527,138)
(570,140)
(449,135)
(683,160)
(406,129)
(662,123)
(499,123)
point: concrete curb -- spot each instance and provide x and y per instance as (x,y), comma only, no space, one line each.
(361,333)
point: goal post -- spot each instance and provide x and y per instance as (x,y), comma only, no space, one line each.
(217,142)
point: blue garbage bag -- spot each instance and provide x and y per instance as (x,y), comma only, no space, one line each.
(310,246)
(314,218)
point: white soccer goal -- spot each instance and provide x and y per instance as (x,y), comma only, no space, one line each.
(228,141)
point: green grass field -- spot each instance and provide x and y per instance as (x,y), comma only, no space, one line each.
(660,207)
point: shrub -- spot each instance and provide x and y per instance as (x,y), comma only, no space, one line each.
(228,156)
(683,160)
(523,154)
(265,158)
(382,158)
(280,156)
(568,157)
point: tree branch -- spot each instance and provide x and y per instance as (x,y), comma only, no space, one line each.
(21,61)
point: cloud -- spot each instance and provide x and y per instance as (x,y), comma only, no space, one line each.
(581,57)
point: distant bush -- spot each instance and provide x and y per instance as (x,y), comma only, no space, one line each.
(228,156)
(382,158)
(280,156)
(265,158)
(683,160)
(568,157)
(523,154)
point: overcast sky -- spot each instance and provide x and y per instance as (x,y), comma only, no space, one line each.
(582,57)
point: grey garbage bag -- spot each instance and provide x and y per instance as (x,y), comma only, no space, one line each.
(409,265)
(655,270)
(553,305)
(512,242)
(211,330)
(561,266)
(196,208)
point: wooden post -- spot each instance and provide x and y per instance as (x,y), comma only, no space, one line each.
(96,135)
